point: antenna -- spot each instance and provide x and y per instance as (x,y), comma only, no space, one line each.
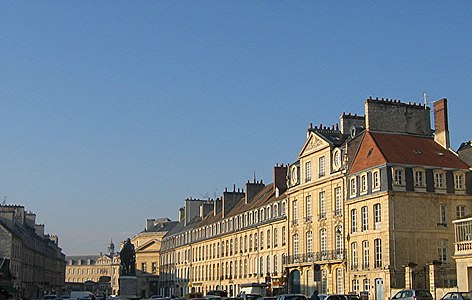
(425,99)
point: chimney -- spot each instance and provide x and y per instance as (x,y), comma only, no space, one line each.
(252,189)
(280,179)
(181,214)
(441,128)
(39,229)
(150,224)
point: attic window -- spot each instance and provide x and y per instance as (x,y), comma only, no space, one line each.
(370,152)
(417,151)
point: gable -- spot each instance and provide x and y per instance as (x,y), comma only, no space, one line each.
(152,245)
(313,144)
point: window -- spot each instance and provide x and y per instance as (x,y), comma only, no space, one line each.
(309,242)
(322,201)
(354,256)
(322,166)
(284,236)
(363,186)
(309,209)
(308,171)
(144,267)
(294,212)
(377,213)
(442,250)
(366,284)
(378,253)
(276,237)
(439,180)
(339,281)
(375,180)
(323,242)
(295,244)
(365,254)
(460,211)
(459,181)
(262,240)
(268,238)
(355,286)
(442,216)
(365,218)
(339,241)
(398,176)
(324,281)
(353,220)
(338,201)
(256,240)
(419,178)
(276,265)
(352,187)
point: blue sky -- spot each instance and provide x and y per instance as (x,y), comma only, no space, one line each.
(116,111)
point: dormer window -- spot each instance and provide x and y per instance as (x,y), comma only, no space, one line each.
(363,183)
(353,187)
(439,179)
(459,181)
(375,180)
(398,176)
(419,178)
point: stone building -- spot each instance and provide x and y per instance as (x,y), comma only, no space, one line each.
(223,244)
(95,273)
(36,261)
(147,246)
(405,186)
(316,211)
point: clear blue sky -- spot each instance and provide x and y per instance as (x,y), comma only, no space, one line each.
(114,112)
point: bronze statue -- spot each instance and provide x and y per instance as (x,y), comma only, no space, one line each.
(128,259)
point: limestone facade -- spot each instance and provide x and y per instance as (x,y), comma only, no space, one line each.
(36,260)
(222,244)
(87,271)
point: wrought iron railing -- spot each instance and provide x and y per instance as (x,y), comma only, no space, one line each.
(315,257)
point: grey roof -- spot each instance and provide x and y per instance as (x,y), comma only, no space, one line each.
(163,227)
(332,136)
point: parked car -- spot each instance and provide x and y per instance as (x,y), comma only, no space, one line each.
(291,297)
(336,297)
(456,296)
(413,295)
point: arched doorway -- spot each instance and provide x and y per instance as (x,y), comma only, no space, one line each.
(295,282)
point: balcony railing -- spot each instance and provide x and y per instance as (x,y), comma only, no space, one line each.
(315,257)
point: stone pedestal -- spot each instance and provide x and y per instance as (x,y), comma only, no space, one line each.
(128,286)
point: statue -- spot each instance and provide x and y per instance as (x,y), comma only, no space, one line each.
(128,259)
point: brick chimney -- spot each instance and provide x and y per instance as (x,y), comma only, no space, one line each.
(441,127)
(280,179)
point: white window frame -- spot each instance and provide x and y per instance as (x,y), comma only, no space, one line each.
(353,220)
(322,166)
(353,187)
(308,171)
(442,250)
(375,180)
(459,181)
(363,184)
(460,211)
(338,209)
(365,254)
(309,242)
(378,253)
(365,218)
(322,203)
(419,178)
(439,179)
(398,176)
(309,208)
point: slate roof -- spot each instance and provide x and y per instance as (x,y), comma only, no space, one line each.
(162,227)
(332,136)
(379,148)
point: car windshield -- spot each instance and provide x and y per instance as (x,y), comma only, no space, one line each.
(465,296)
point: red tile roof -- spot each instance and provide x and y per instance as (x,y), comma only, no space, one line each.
(378,148)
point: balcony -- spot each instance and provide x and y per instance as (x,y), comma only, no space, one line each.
(323,256)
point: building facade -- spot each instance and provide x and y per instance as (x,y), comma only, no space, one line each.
(224,244)
(36,261)
(95,273)
(147,246)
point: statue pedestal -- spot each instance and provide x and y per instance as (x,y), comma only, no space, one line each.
(128,286)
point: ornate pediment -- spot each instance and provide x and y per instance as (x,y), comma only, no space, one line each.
(313,144)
